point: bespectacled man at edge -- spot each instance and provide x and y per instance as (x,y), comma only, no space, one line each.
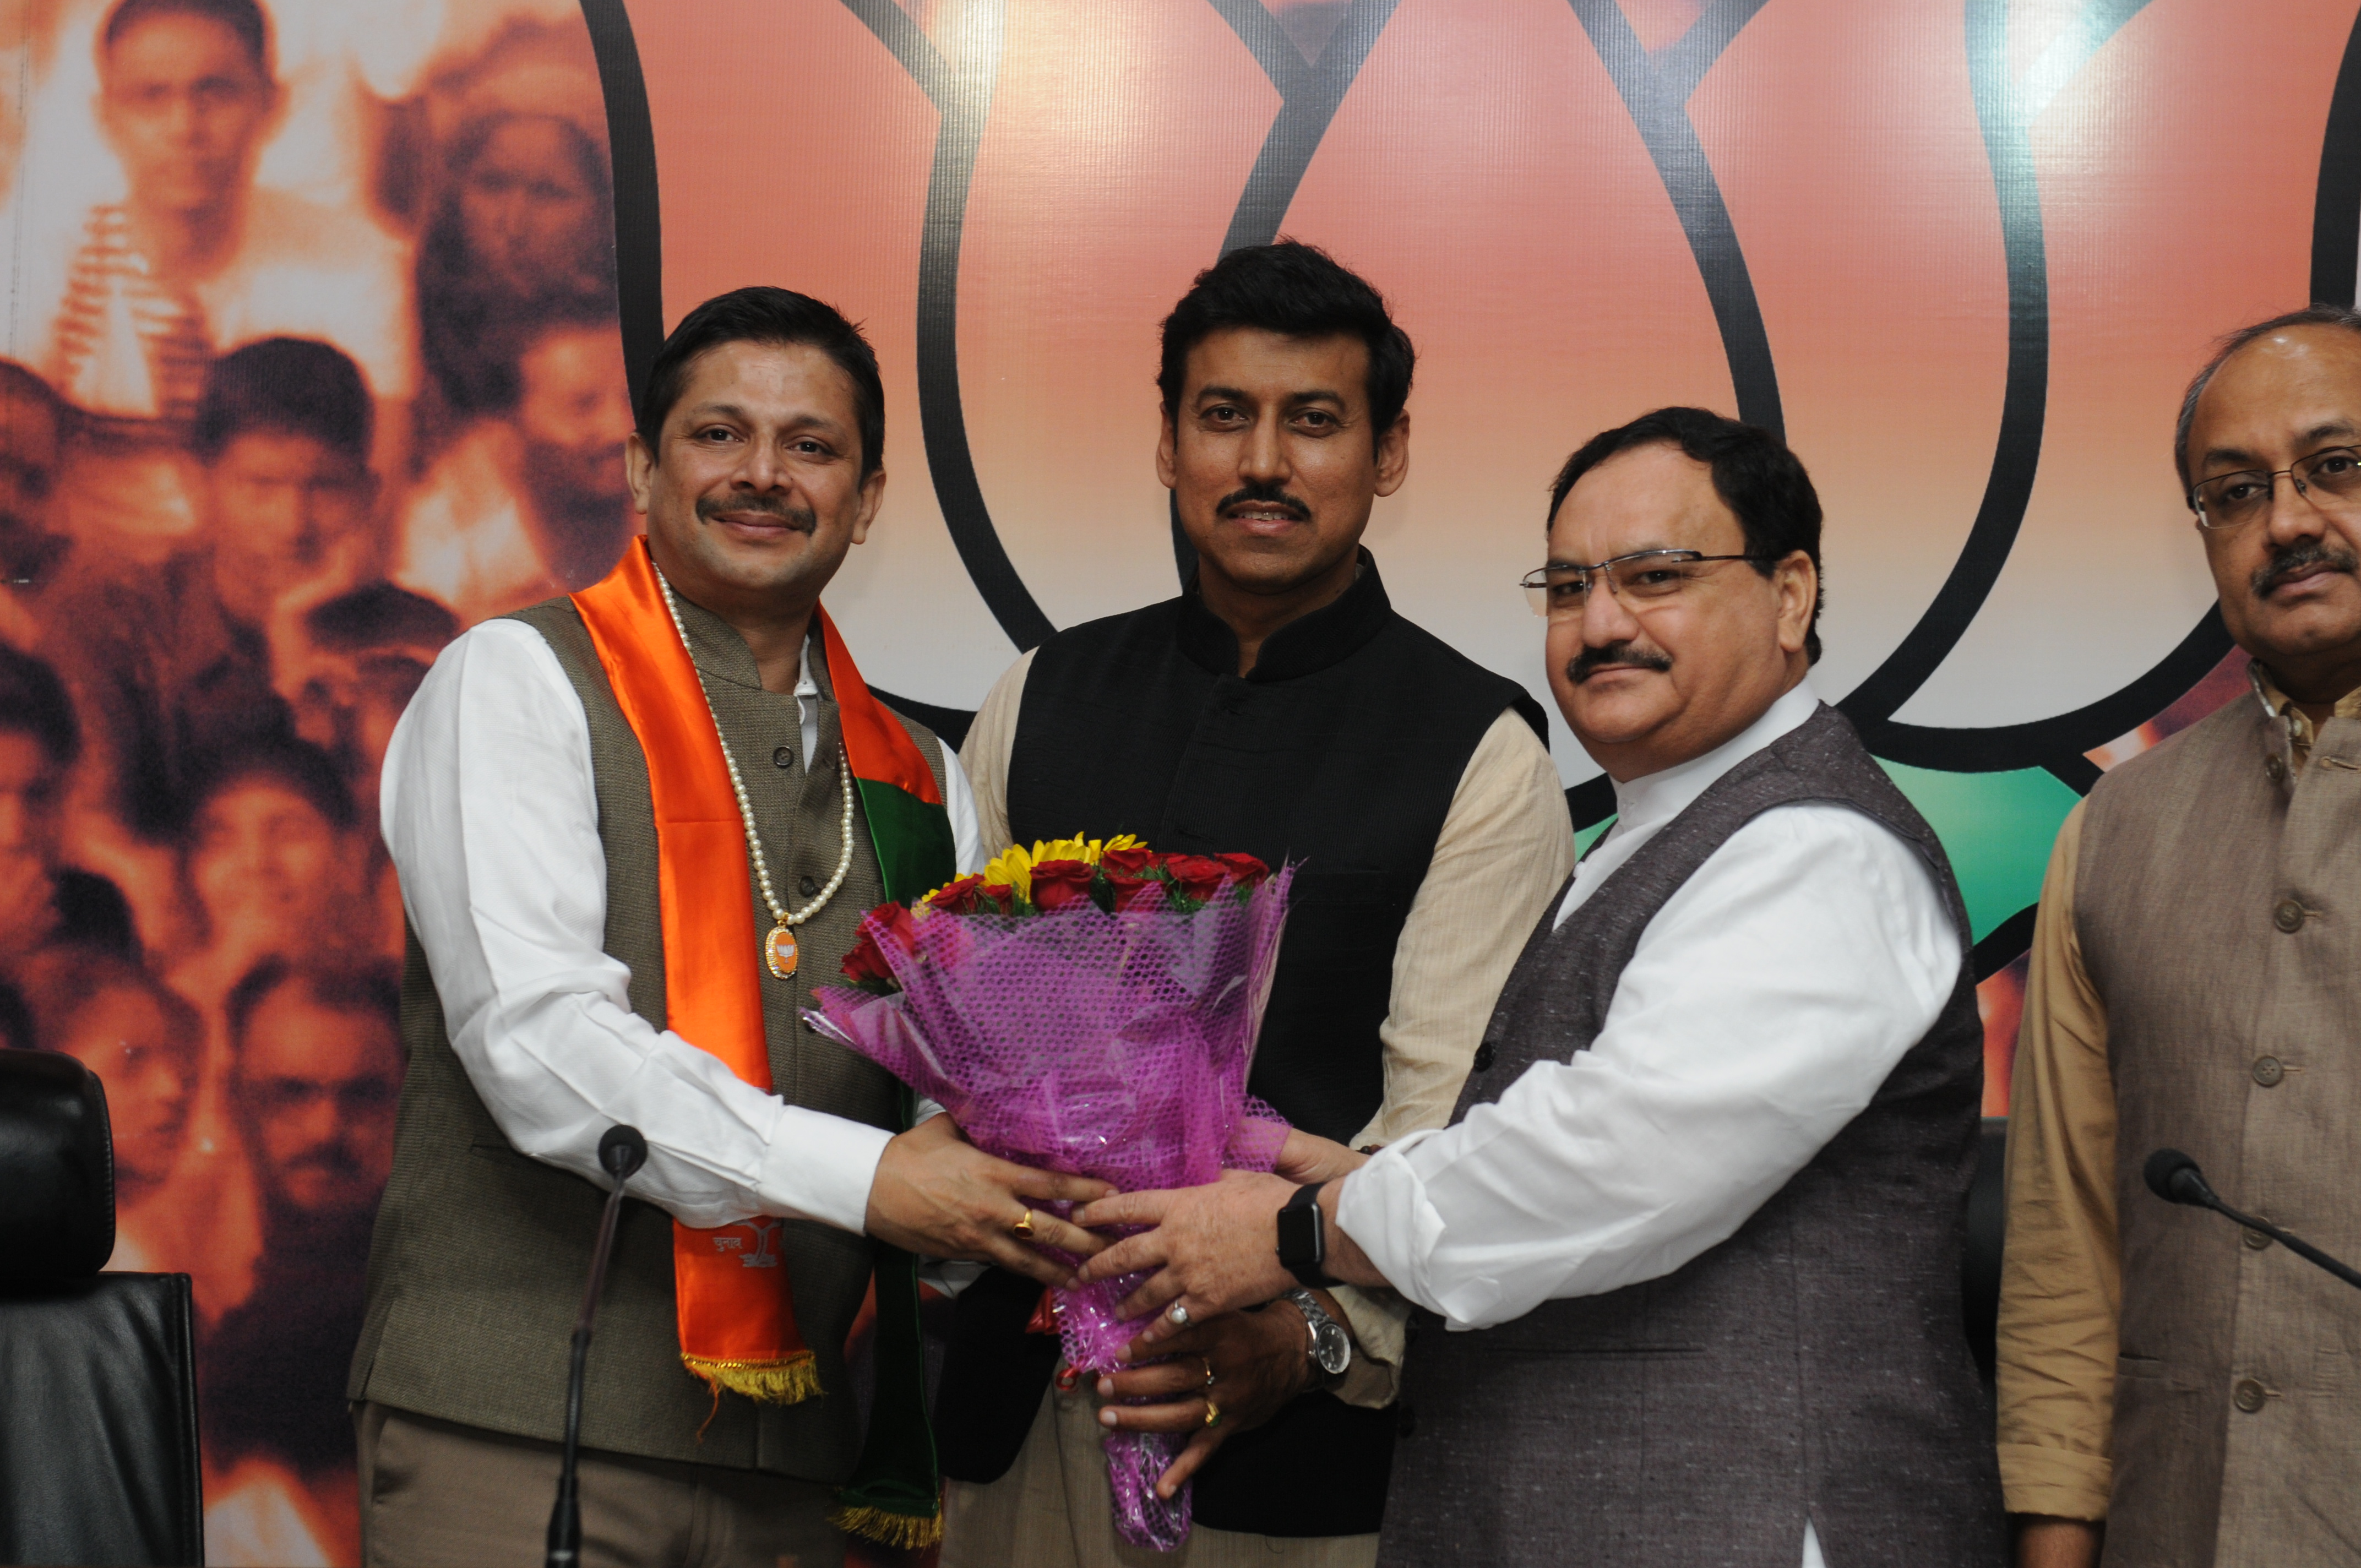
(2173,1390)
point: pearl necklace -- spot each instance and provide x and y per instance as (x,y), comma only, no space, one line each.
(779,947)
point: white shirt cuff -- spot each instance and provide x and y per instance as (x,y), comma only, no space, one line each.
(820,1167)
(1383,1206)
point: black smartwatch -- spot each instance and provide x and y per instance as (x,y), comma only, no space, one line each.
(1303,1237)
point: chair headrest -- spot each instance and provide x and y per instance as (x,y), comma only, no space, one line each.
(57,1169)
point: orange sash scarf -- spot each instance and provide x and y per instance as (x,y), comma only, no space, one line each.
(736,1305)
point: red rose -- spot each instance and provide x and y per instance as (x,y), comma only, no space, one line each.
(1245,869)
(1134,863)
(1056,884)
(960,897)
(865,965)
(1197,877)
(899,928)
(998,899)
(1136,892)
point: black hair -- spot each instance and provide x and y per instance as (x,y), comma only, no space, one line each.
(298,386)
(2228,344)
(564,313)
(368,989)
(1754,474)
(1296,291)
(297,765)
(33,702)
(378,615)
(779,317)
(65,980)
(19,384)
(243,17)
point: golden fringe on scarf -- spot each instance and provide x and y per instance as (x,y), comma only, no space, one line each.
(788,1382)
(889,1529)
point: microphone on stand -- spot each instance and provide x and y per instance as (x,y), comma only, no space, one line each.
(2174,1177)
(621,1152)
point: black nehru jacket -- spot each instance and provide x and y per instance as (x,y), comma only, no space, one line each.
(1340,753)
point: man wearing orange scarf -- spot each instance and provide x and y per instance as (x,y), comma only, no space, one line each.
(635,826)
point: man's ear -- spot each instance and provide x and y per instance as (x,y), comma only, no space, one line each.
(1168,453)
(873,496)
(1393,455)
(639,470)
(1797,583)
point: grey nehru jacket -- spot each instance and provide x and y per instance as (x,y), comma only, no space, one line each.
(1813,1367)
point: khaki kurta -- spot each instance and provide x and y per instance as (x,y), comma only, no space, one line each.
(2061,1293)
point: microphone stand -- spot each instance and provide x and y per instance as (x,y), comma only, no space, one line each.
(2174,1177)
(621,1152)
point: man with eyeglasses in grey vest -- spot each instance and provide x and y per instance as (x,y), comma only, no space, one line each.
(1689,1250)
(2174,1390)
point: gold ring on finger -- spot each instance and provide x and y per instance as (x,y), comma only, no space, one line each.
(1209,1369)
(1213,1414)
(1023,1228)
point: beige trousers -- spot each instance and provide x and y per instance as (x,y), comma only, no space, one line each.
(435,1493)
(1053,1509)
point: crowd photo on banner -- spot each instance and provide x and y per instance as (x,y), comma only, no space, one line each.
(311,361)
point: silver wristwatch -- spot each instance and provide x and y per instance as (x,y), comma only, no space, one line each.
(1332,1347)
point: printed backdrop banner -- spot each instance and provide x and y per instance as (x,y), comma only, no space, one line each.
(322,318)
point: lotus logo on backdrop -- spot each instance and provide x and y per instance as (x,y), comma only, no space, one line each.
(1956,274)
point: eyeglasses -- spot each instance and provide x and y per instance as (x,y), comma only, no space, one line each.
(2329,479)
(1641,580)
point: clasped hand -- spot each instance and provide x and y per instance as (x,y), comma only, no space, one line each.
(1241,1368)
(1213,1248)
(938,1194)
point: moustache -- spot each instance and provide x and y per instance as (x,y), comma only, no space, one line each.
(329,1159)
(1589,662)
(2297,558)
(800,518)
(1264,495)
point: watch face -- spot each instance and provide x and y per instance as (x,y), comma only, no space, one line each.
(1335,1351)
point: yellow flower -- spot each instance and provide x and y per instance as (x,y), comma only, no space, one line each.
(1062,850)
(1086,850)
(1011,868)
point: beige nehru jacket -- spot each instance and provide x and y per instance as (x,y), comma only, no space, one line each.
(1507,846)
(2061,1288)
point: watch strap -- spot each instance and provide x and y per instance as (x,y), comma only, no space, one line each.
(1303,1237)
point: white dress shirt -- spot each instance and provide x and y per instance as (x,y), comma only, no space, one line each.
(1764,1004)
(490,811)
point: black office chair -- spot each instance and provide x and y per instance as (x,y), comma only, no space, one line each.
(1980,1268)
(98,1386)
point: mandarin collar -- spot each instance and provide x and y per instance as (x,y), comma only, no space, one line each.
(1304,646)
(1662,796)
(718,650)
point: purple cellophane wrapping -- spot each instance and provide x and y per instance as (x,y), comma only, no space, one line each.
(1113,1044)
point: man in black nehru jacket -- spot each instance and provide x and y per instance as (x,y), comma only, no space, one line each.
(1278,707)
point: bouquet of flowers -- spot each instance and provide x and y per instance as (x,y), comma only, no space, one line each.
(1086,1007)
